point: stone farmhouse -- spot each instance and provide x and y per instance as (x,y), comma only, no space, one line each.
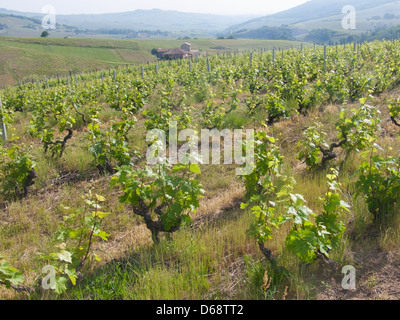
(185,52)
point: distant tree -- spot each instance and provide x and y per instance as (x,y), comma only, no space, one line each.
(320,36)
(45,34)
(221,38)
(154,52)
(389,16)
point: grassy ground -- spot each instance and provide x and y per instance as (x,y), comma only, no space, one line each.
(211,259)
(35,58)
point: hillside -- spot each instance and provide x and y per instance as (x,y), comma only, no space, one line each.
(23,59)
(13,25)
(174,22)
(328,14)
(160,24)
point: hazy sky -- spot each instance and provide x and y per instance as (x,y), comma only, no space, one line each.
(259,7)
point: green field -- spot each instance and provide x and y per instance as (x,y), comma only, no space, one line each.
(23,59)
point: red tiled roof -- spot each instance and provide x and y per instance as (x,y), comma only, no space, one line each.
(176,51)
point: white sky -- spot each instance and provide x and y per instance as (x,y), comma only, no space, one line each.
(227,7)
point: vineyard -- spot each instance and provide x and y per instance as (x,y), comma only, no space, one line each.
(83,215)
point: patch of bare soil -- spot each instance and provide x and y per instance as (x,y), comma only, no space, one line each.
(377,278)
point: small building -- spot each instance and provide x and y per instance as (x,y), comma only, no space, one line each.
(185,52)
(186,47)
(195,53)
(160,53)
(175,54)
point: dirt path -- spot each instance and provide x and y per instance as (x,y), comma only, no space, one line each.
(377,278)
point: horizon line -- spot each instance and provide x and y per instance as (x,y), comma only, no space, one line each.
(153,9)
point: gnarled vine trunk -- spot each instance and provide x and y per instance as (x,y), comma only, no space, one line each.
(329,154)
(155,226)
(394,121)
(60,142)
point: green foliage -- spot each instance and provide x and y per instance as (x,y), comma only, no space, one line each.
(359,84)
(267,192)
(126,94)
(161,116)
(158,118)
(309,146)
(357,131)
(267,163)
(379,182)
(265,186)
(253,102)
(74,240)
(306,239)
(170,192)
(52,117)
(9,276)
(359,128)
(275,108)
(17,172)
(111,145)
(213,115)
(394,110)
